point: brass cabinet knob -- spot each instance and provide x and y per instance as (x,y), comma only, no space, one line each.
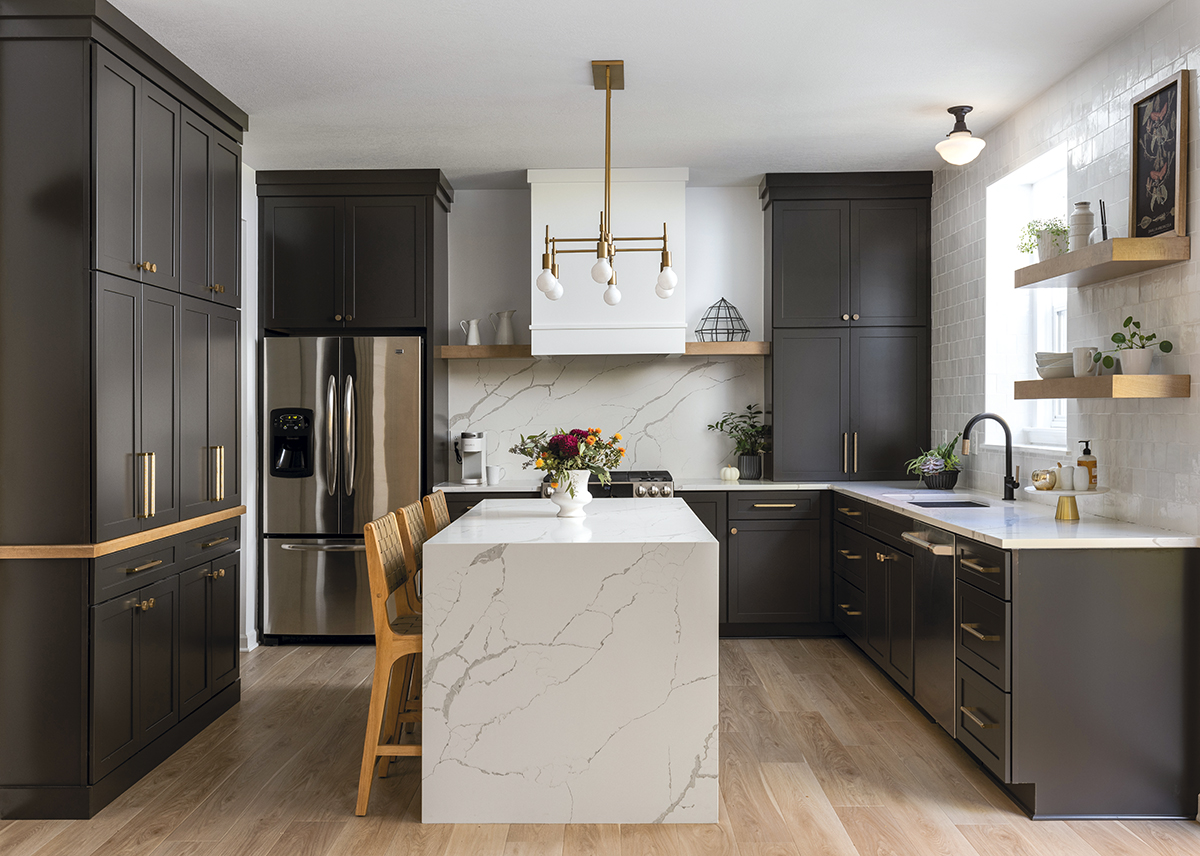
(337,317)
(149,267)
(855,316)
(145,605)
(733,531)
(219,572)
(845,317)
(349,317)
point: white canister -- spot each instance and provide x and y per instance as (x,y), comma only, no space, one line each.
(1083,479)
(1080,225)
(1066,479)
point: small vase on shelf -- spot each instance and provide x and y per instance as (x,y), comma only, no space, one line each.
(750,466)
(576,483)
(1136,361)
(1079,226)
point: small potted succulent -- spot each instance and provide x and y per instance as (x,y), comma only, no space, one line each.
(1133,347)
(750,438)
(938,467)
(1048,237)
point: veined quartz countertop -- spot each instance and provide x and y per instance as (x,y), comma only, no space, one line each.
(523,484)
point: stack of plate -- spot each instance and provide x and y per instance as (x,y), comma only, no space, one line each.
(1051,364)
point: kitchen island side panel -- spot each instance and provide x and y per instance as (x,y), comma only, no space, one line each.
(570,683)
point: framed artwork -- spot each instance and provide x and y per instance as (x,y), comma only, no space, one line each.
(1158,174)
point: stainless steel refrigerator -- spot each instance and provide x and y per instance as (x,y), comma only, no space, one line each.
(341,445)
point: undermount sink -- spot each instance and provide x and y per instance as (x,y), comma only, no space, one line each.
(951,503)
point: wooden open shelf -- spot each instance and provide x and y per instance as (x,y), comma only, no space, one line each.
(524,352)
(1108,386)
(1104,262)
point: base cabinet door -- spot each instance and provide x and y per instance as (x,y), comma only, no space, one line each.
(774,571)
(224,638)
(195,684)
(889,612)
(158,659)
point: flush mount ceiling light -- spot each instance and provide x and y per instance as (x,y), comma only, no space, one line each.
(959,147)
(607,75)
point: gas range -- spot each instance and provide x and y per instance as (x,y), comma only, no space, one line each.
(646,484)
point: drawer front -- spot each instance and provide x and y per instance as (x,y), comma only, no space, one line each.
(849,609)
(849,510)
(888,526)
(983,633)
(850,555)
(987,568)
(775,505)
(121,573)
(984,721)
(210,541)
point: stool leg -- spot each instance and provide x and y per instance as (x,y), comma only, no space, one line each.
(379,686)
(397,687)
(413,693)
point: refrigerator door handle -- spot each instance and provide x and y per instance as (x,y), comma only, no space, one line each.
(331,467)
(326,548)
(348,429)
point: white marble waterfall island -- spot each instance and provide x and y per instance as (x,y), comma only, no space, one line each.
(570,666)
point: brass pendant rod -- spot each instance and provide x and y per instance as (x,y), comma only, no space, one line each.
(607,221)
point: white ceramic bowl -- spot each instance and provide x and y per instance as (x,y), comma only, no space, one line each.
(1048,359)
(1053,355)
(1048,372)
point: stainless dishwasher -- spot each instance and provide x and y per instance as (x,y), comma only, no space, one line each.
(933,623)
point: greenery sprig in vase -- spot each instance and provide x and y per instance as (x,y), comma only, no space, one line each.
(938,467)
(750,437)
(1030,237)
(1132,340)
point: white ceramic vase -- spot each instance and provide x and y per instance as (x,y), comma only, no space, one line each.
(1079,225)
(568,505)
(1050,245)
(503,325)
(1136,360)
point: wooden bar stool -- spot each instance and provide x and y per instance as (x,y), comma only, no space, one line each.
(407,601)
(437,516)
(397,650)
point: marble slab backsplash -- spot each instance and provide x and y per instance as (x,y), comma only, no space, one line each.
(661,405)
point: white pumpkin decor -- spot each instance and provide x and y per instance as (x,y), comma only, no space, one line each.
(730,474)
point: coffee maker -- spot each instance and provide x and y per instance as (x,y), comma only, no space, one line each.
(471,451)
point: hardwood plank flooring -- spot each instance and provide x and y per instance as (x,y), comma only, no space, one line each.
(820,754)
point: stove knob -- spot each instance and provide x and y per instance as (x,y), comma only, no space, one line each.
(654,490)
(666,490)
(640,490)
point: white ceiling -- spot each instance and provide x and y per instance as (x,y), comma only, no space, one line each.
(731,90)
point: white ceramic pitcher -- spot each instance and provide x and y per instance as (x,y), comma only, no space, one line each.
(471,328)
(504,329)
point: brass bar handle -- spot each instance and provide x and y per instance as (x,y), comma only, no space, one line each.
(220,473)
(970,628)
(978,568)
(214,465)
(970,712)
(855,451)
(845,452)
(145,509)
(849,512)
(774,505)
(208,544)
(850,555)
(936,549)
(144,567)
(845,607)
(153,485)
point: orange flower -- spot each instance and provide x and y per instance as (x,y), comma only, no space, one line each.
(554,484)
(617,436)
(622,451)
(591,441)
(539,463)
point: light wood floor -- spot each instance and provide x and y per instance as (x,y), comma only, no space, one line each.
(819,755)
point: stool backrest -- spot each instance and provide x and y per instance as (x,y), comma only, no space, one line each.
(437,515)
(411,520)
(387,568)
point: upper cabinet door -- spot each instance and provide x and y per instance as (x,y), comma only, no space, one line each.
(120,502)
(810,263)
(889,262)
(385,262)
(302,265)
(224,404)
(890,400)
(195,209)
(226,220)
(159,208)
(159,412)
(117,100)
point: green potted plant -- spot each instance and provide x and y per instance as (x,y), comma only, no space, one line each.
(1048,237)
(1134,348)
(750,438)
(938,467)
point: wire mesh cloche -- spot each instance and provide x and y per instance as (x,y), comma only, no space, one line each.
(722,322)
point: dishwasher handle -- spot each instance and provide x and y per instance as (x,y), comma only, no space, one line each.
(937,549)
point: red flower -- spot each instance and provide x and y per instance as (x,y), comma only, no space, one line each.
(564,445)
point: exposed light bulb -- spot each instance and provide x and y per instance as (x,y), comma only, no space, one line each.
(611,296)
(667,279)
(545,280)
(602,271)
(555,292)
(664,293)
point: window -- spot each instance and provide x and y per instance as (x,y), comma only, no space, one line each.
(1019,322)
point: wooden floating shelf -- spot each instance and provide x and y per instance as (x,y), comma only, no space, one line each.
(524,352)
(1108,386)
(1104,262)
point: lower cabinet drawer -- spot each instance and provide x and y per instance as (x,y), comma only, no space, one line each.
(984,721)
(983,634)
(850,554)
(849,510)
(122,572)
(849,607)
(775,505)
(209,542)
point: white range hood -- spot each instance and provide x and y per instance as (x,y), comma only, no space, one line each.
(569,201)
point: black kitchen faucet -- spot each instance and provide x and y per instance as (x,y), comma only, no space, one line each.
(1010,483)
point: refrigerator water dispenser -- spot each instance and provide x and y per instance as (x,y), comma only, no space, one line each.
(291,443)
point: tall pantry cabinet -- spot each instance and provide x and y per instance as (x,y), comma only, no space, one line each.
(120,173)
(847,301)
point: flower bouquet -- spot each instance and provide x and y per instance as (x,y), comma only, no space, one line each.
(580,450)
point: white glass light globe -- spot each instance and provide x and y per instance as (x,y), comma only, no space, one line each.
(664,293)
(611,296)
(545,281)
(667,279)
(555,292)
(602,271)
(960,148)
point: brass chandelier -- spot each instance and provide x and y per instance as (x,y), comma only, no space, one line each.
(607,75)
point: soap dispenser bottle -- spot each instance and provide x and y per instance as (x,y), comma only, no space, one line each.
(1087,459)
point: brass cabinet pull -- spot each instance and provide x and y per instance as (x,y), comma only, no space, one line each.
(733,531)
(218,493)
(153,484)
(845,452)
(855,316)
(208,544)
(970,712)
(850,512)
(337,317)
(936,549)
(144,567)
(149,267)
(144,463)
(216,288)
(219,572)
(856,450)
(850,555)
(349,317)
(845,607)
(145,605)
(970,628)
(774,505)
(845,317)
(978,568)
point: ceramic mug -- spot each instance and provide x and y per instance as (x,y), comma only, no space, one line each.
(1066,478)
(494,474)
(1084,362)
(1083,478)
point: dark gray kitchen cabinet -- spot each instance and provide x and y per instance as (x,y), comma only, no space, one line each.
(889,612)
(137,407)
(774,571)
(385,262)
(210,212)
(889,262)
(810,267)
(710,507)
(458,504)
(208,631)
(302,262)
(210,413)
(890,400)
(137,174)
